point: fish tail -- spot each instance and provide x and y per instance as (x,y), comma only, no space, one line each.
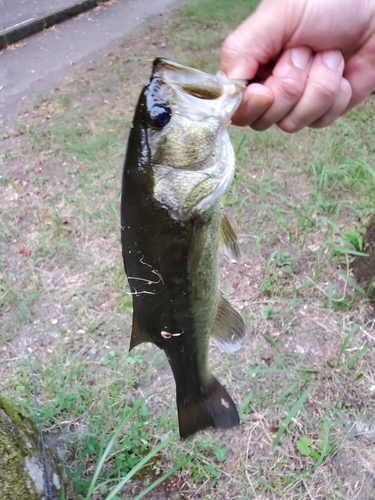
(214,408)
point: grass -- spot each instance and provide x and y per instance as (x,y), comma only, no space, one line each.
(303,381)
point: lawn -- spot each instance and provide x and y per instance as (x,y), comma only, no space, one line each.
(303,208)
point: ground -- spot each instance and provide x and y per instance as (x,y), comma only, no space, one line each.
(301,205)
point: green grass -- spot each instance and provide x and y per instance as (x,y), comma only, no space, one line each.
(299,204)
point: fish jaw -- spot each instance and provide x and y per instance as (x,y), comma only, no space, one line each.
(219,96)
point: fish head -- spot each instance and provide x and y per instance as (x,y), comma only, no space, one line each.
(185,116)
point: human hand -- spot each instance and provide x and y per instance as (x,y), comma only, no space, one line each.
(314,60)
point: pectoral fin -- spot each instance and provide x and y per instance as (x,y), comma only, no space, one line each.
(229,240)
(138,334)
(228,331)
(197,246)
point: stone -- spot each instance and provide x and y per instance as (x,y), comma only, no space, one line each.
(22,469)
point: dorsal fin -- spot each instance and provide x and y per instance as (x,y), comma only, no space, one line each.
(138,334)
(228,331)
(229,240)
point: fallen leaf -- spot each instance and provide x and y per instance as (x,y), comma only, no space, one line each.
(24,251)
(268,360)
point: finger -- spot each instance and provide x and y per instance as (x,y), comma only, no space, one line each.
(322,87)
(248,47)
(287,84)
(257,99)
(360,73)
(338,108)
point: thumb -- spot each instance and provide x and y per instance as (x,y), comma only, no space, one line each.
(258,40)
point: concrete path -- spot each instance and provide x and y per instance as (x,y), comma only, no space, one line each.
(38,63)
(22,18)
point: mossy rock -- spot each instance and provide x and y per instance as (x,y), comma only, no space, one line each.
(22,470)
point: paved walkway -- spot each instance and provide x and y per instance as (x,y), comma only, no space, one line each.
(22,18)
(40,62)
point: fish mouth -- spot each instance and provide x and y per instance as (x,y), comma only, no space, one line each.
(219,96)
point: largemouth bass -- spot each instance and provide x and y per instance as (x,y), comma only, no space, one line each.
(179,163)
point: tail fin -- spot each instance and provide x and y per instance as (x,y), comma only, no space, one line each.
(214,408)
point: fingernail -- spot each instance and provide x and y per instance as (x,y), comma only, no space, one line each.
(333,59)
(300,56)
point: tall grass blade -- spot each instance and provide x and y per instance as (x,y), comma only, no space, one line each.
(325,445)
(351,282)
(102,460)
(141,464)
(330,294)
(346,341)
(296,408)
(348,251)
(239,147)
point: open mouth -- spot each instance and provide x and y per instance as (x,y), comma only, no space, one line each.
(195,82)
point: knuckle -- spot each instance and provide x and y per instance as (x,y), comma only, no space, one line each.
(324,90)
(290,89)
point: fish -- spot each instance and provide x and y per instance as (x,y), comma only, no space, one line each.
(179,163)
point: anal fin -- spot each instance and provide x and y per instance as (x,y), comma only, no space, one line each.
(138,334)
(228,331)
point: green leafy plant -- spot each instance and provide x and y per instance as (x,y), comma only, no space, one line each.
(306,449)
(128,461)
(354,238)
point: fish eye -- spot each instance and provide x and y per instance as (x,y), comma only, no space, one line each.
(160,115)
